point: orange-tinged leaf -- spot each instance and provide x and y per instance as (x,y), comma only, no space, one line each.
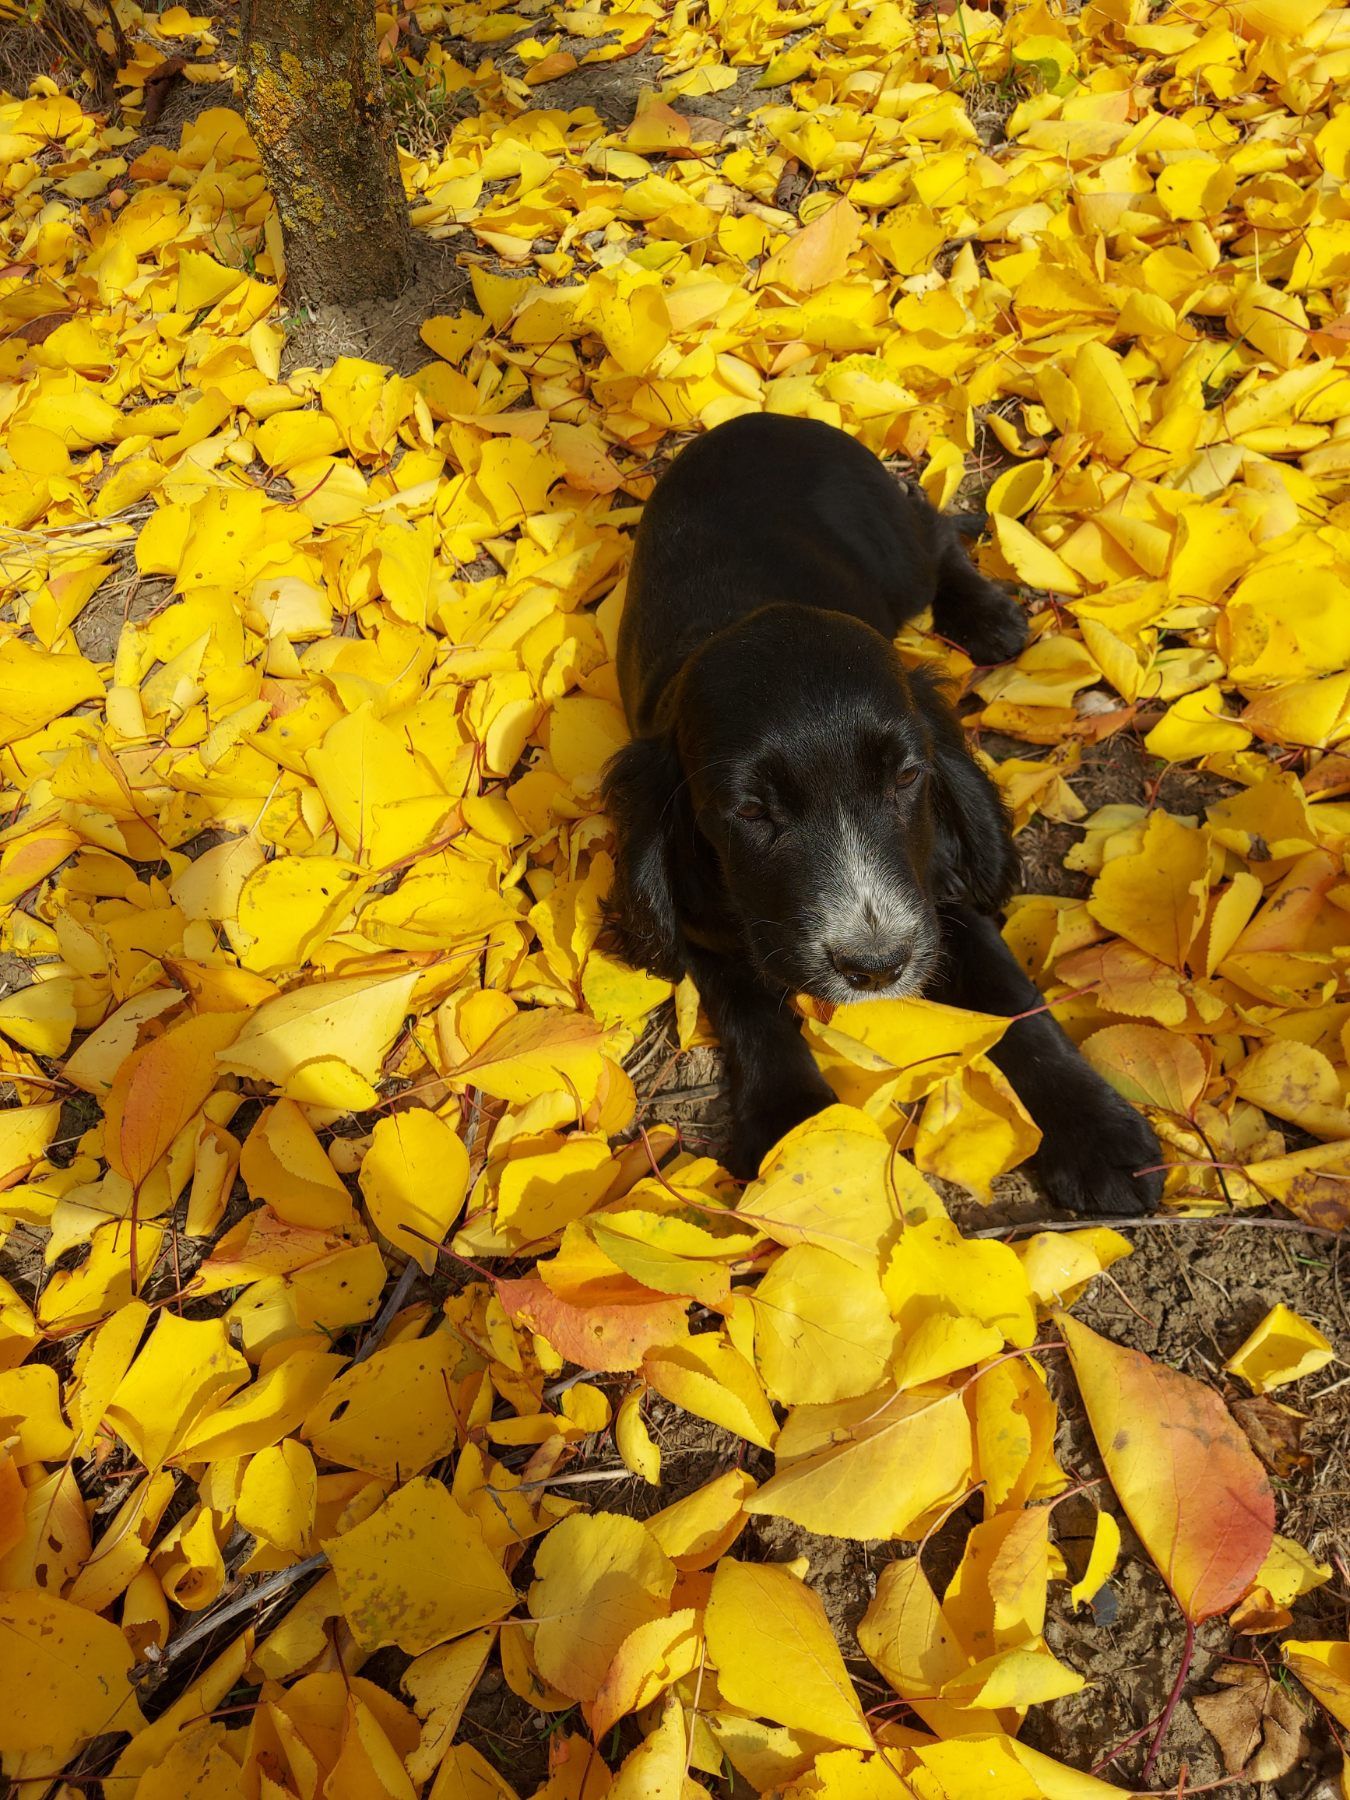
(159,1087)
(611,1331)
(1148,1066)
(818,253)
(1190,1482)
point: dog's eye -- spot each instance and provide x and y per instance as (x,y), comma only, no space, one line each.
(905,778)
(753,812)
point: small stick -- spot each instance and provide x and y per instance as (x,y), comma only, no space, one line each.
(393,1305)
(1183,1670)
(242,1603)
(998,1231)
(581,1476)
(1127,1744)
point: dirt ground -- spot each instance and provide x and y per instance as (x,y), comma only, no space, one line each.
(1188,1295)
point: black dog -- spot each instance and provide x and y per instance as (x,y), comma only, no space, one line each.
(797,814)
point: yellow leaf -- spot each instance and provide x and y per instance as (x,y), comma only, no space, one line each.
(1156,896)
(1101,1562)
(453,335)
(710,1378)
(66,1676)
(823,1331)
(277,1496)
(413,1178)
(202,281)
(638,1449)
(775,1654)
(25,1132)
(1324,1669)
(941,1344)
(658,1768)
(827,1184)
(283,1163)
(186,1367)
(1296,1082)
(467,1775)
(1282,1348)
(391,1415)
(598,1577)
(1032,561)
(872,1467)
(41,1016)
(634,325)
(818,253)
(1199,187)
(37,686)
(324,1044)
(650,1659)
(935,1271)
(417,1572)
(695,1530)
(973,1128)
(30,1416)
(289,906)
(1025,1675)
(533,1052)
(265,1410)
(439,1683)
(1108,414)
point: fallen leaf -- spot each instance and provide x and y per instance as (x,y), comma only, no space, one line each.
(1191,1485)
(775,1654)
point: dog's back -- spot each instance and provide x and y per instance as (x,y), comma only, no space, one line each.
(762,509)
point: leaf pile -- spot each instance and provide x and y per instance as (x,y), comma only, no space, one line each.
(308,863)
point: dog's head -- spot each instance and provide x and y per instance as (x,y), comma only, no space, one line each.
(829,794)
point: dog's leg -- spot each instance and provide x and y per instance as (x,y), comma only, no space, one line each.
(775,1083)
(1094,1145)
(970,611)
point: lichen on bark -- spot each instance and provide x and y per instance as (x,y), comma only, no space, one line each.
(315,106)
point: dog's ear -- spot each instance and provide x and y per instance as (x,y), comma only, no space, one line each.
(974,857)
(642,785)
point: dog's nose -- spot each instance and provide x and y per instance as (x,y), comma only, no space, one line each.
(870,971)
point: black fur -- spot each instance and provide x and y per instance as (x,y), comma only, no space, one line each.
(797,813)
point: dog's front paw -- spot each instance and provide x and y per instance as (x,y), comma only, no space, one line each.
(1098,1156)
(762,1122)
(992,630)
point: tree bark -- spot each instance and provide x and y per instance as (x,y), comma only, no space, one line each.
(315,106)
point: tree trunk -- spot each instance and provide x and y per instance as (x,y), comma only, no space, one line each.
(315,106)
